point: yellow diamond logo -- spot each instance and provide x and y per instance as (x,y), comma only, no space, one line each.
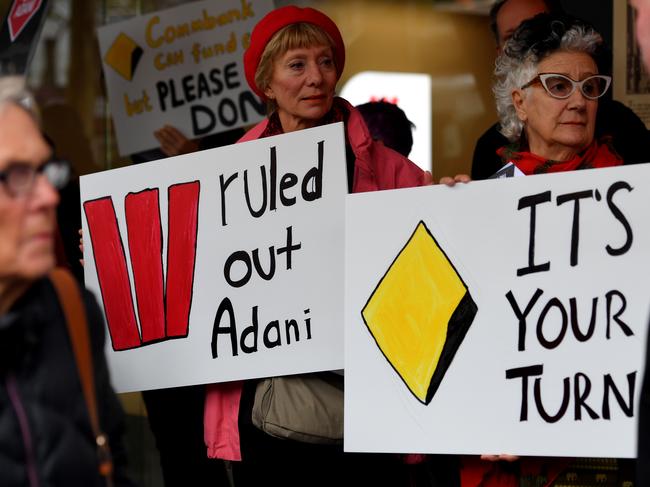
(419,314)
(124,56)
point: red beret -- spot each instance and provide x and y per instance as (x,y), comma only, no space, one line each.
(276,20)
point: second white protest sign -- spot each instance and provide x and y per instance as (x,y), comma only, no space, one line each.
(502,316)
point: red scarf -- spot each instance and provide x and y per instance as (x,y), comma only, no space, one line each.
(597,154)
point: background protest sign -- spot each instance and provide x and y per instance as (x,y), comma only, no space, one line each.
(183,67)
(221,265)
(504,316)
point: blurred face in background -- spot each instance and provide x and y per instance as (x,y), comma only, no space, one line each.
(27,221)
(513,13)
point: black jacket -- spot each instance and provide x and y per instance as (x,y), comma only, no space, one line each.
(44,426)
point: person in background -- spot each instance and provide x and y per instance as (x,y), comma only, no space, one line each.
(628,133)
(643,445)
(507,15)
(46,437)
(388,123)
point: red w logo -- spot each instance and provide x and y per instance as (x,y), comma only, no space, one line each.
(163,311)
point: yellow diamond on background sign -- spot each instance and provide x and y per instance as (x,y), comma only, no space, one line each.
(419,314)
(124,56)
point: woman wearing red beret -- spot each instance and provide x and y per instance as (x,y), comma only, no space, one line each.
(295,58)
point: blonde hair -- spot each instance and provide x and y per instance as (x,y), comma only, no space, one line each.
(293,36)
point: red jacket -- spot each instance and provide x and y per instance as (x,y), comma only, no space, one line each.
(377,167)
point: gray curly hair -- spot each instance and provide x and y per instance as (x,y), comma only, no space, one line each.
(533,41)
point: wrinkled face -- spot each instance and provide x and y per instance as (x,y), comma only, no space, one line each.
(28,222)
(513,13)
(643,28)
(302,85)
(558,129)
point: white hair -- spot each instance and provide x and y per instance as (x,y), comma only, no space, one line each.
(13,90)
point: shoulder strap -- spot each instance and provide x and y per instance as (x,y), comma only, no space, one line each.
(75,318)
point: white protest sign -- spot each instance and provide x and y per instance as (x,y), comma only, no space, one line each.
(183,67)
(223,264)
(499,316)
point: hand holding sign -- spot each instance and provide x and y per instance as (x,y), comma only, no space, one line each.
(173,142)
(451,181)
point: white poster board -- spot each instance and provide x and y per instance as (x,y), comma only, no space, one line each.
(223,264)
(434,350)
(182,66)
